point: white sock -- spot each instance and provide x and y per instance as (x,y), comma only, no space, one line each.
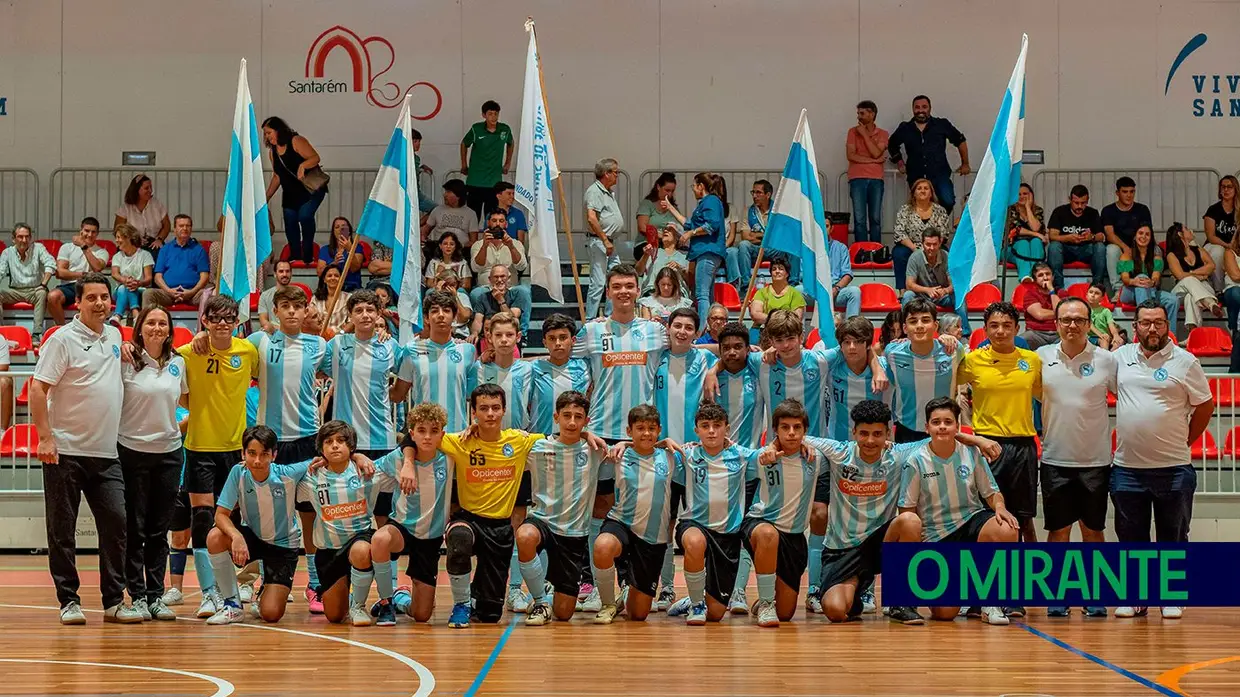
(226,575)
(696,582)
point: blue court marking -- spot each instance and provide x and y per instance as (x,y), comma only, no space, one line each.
(490,662)
(1161,689)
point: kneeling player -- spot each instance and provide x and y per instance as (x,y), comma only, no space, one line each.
(268,533)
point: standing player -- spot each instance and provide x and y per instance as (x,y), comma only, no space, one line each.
(556,374)
(681,376)
(919,370)
(436,369)
(287,363)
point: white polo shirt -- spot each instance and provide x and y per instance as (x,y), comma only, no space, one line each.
(73,254)
(149,415)
(84,404)
(1156,396)
(1075,421)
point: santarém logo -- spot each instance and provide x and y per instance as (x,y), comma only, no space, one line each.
(365,72)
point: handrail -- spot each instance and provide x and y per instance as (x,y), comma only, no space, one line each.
(19,197)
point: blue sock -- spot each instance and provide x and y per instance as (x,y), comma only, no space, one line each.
(202,568)
(514,571)
(361,581)
(313,570)
(176,561)
(460,588)
(766,587)
(816,543)
(226,574)
(742,571)
(596,526)
(535,576)
(667,577)
(383,579)
(696,582)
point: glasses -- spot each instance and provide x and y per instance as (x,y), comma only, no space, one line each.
(1152,324)
(220,319)
(1073,321)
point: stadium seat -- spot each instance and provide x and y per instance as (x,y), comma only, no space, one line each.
(1205,447)
(23,399)
(126,333)
(18,306)
(181,336)
(870,246)
(976,338)
(981,296)
(812,338)
(1209,342)
(878,335)
(305,288)
(284,254)
(52,246)
(51,330)
(878,297)
(19,336)
(108,245)
(1110,399)
(182,307)
(1114,441)
(254,303)
(2,246)
(1076,265)
(726,295)
(1230,445)
(1018,295)
(206,247)
(19,439)
(1225,391)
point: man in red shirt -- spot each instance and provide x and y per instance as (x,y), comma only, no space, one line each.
(1039,306)
(867,150)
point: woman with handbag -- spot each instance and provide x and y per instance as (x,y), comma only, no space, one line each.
(297,171)
(1027,238)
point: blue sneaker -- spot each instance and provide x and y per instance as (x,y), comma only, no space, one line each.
(387,615)
(1093,611)
(680,607)
(1057,612)
(697,615)
(402,600)
(459,619)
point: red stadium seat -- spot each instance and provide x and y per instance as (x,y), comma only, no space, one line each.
(206,247)
(52,246)
(878,335)
(108,245)
(126,333)
(1225,391)
(284,255)
(1114,441)
(1231,446)
(181,336)
(2,246)
(870,246)
(305,288)
(1018,295)
(23,399)
(1205,447)
(812,339)
(878,297)
(18,306)
(1110,399)
(976,338)
(726,295)
(1209,342)
(19,439)
(20,336)
(254,303)
(48,334)
(981,296)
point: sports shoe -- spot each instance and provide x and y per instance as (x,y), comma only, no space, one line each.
(314,602)
(211,604)
(403,599)
(813,601)
(680,607)
(229,614)
(667,598)
(172,597)
(592,603)
(121,613)
(1172,613)
(973,611)
(71,613)
(1058,611)
(584,590)
(387,615)
(517,601)
(246,593)
(142,608)
(622,598)
(1095,611)
(738,605)
(359,617)
(1125,611)
(248,574)
(868,604)
(159,611)
(607,615)
(905,615)
(697,615)
(255,611)
(540,614)
(459,617)
(994,615)
(764,614)
(1014,611)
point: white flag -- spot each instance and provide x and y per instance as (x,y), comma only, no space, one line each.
(247,229)
(536,170)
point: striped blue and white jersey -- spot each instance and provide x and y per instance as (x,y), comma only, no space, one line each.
(441,374)
(424,513)
(517,381)
(806,382)
(715,485)
(740,396)
(864,495)
(269,507)
(786,489)
(563,479)
(678,391)
(848,389)
(946,492)
(342,503)
(359,370)
(286,373)
(623,361)
(551,381)
(916,379)
(644,494)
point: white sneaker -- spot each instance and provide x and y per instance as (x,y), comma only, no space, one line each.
(141,607)
(667,597)
(517,600)
(173,596)
(868,604)
(255,611)
(229,614)
(764,613)
(1172,613)
(360,616)
(160,611)
(994,615)
(680,607)
(246,593)
(592,603)
(622,599)
(738,604)
(1125,612)
(122,614)
(813,604)
(211,604)
(72,613)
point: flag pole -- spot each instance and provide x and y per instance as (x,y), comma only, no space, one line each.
(753,278)
(559,183)
(331,301)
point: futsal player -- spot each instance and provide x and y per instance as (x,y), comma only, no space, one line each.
(437,370)
(557,373)
(919,370)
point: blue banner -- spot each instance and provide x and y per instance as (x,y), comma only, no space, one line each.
(1072,574)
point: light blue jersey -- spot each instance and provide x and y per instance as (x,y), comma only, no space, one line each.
(644,494)
(740,396)
(946,492)
(715,486)
(269,507)
(343,504)
(441,374)
(848,389)
(359,370)
(424,513)
(286,373)
(864,495)
(551,381)
(786,490)
(517,381)
(623,361)
(563,479)
(806,382)
(916,379)
(678,391)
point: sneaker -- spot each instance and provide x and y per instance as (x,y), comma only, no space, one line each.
(584,590)
(246,592)
(592,603)
(121,613)
(314,602)
(211,604)
(1058,611)
(680,607)
(387,615)
(229,614)
(1172,613)
(994,615)
(359,616)
(255,611)
(607,615)
(1014,611)
(403,599)
(159,611)
(1095,611)
(374,608)
(813,601)
(248,574)
(172,597)
(905,615)
(518,600)
(142,608)
(540,614)
(72,613)
(697,615)
(868,604)
(764,614)
(738,605)
(459,617)
(622,598)
(1125,611)
(666,599)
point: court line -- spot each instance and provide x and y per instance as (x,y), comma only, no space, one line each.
(1173,677)
(1161,689)
(223,688)
(490,662)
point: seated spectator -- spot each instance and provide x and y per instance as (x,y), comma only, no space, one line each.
(380,266)
(1231,282)
(1076,234)
(77,258)
(1120,221)
(749,232)
(949,324)
(313,324)
(847,297)
(1192,269)
(462,324)
(451,216)
(133,270)
(1102,328)
(706,236)
(1025,234)
(500,295)
(667,255)
(497,247)
(329,285)
(147,214)
(1039,304)
(914,218)
(654,210)
(668,297)
(181,271)
(1140,271)
(448,255)
(926,275)
(891,330)
(267,318)
(387,308)
(25,268)
(336,251)
(1220,226)
(716,319)
(505,198)
(779,295)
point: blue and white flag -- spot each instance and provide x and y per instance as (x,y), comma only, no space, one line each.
(391,218)
(798,226)
(536,170)
(246,238)
(974,255)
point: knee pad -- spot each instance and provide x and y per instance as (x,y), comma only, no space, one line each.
(202,519)
(460,544)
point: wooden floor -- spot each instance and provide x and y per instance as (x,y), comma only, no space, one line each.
(304,656)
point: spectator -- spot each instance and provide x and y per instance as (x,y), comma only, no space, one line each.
(447,281)
(329,284)
(705,234)
(667,298)
(1076,234)
(337,250)
(380,266)
(653,209)
(387,308)
(133,270)
(267,318)
(25,269)
(1140,272)
(505,199)
(919,149)
(926,275)
(76,259)
(866,148)
(1039,303)
(425,203)
(950,325)
(497,247)
(1120,221)
(605,221)
(668,255)
(451,216)
(1027,238)
(716,319)
(181,271)
(1192,269)
(1103,330)
(749,231)
(892,329)
(846,297)
(448,255)
(500,295)
(313,324)
(920,214)
(1231,282)
(486,156)
(1220,225)
(779,295)
(147,214)
(297,171)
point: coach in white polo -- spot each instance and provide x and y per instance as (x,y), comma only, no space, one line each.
(1164,405)
(75,402)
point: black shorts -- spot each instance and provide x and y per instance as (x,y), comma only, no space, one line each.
(493,541)
(723,558)
(565,557)
(333,564)
(644,560)
(864,562)
(423,555)
(1070,494)
(206,472)
(525,491)
(904,434)
(70,292)
(972,528)
(279,563)
(1016,473)
(291,452)
(181,512)
(791,558)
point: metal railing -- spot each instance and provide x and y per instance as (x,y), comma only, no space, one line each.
(20,469)
(347,193)
(77,192)
(576,181)
(19,198)
(895,194)
(738,182)
(1173,194)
